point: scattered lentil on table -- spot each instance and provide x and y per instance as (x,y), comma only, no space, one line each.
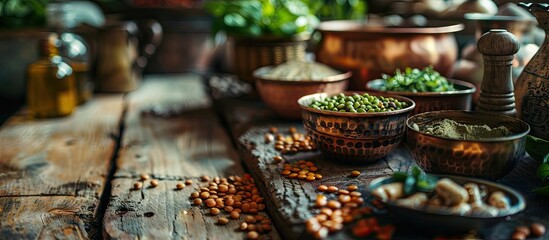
(154,183)
(303,170)
(293,142)
(144,177)
(333,213)
(239,197)
(357,103)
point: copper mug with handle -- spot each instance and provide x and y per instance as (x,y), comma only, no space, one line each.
(123,52)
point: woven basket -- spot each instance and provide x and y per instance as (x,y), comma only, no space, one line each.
(252,53)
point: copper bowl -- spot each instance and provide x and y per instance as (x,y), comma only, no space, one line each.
(281,95)
(490,158)
(443,223)
(354,137)
(370,48)
(460,99)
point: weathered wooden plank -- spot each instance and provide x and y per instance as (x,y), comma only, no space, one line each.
(163,213)
(60,156)
(291,201)
(58,217)
(172,133)
(170,130)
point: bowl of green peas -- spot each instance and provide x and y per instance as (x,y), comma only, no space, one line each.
(355,127)
(429,89)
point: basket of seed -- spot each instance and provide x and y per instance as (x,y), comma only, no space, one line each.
(354,126)
(466,143)
(428,88)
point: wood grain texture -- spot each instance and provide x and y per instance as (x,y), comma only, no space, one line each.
(170,130)
(61,156)
(172,133)
(163,213)
(293,200)
(58,217)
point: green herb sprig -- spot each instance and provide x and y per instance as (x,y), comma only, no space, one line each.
(416,180)
(415,80)
(543,174)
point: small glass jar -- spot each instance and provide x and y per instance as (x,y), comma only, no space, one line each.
(51,87)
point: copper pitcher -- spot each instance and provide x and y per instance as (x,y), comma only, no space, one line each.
(123,52)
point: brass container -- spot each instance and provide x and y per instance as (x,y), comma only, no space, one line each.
(249,54)
(354,137)
(490,158)
(281,95)
(370,49)
(460,99)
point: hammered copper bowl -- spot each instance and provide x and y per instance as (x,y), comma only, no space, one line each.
(354,137)
(281,95)
(459,99)
(490,158)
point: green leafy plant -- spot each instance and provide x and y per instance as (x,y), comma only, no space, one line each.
(415,80)
(543,174)
(416,180)
(22,13)
(261,17)
(537,148)
(338,9)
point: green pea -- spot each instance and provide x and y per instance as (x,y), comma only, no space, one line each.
(358,103)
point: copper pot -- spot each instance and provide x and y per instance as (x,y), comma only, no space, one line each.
(281,95)
(370,49)
(459,99)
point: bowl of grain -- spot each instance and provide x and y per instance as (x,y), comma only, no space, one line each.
(466,143)
(282,85)
(355,127)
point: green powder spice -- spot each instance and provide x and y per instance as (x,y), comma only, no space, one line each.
(452,129)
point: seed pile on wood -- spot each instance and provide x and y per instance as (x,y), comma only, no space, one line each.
(524,232)
(231,198)
(336,207)
(304,170)
(293,142)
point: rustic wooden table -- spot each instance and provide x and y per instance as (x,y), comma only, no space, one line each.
(71,177)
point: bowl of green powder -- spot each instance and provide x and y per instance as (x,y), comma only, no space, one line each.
(466,143)
(429,89)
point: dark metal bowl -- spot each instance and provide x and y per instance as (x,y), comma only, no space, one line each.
(281,95)
(490,158)
(438,222)
(459,99)
(354,137)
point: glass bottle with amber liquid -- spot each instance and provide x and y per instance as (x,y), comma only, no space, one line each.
(61,19)
(51,87)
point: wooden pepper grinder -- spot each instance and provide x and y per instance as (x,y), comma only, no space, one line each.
(496,92)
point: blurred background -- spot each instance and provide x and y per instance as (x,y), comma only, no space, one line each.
(182,36)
